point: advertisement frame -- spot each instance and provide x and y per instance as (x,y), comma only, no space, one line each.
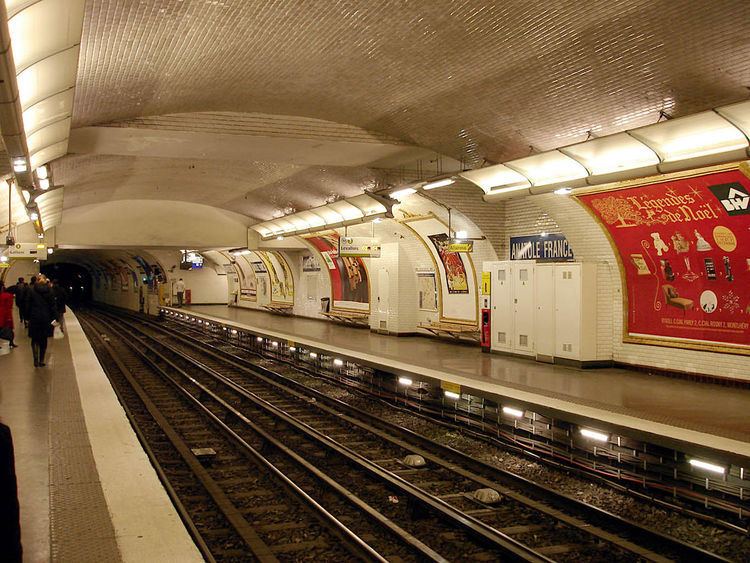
(655,340)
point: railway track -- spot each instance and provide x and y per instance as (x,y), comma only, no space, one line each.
(437,496)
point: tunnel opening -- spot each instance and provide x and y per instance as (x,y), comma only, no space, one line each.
(74,278)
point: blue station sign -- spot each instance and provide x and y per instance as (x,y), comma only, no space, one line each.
(540,247)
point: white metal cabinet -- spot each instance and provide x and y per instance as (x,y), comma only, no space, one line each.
(512,299)
(576,311)
(500,297)
(544,318)
(522,273)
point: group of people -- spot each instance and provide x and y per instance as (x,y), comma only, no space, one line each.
(41,307)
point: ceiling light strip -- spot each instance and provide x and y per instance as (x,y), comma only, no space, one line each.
(711,137)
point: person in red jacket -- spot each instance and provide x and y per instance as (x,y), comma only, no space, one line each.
(6,316)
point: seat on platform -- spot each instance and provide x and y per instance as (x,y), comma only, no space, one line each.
(348,317)
(454,330)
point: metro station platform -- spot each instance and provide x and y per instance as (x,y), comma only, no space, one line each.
(86,488)
(687,415)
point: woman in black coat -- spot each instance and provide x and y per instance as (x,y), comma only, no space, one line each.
(41,312)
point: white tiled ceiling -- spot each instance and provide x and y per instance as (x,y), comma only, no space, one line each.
(475,80)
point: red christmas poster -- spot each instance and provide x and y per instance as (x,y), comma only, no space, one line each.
(684,247)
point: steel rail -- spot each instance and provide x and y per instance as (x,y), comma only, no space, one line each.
(508,545)
(655,537)
(355,544)
(241,526)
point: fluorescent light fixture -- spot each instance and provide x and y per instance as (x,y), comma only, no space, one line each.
(405,381)
(702,134)
(44,183)
(292,348)
(707,466)
(34,216)
(462,234)
(594,435)
(259,338)
(234,331)
(438,184)
(50,250)
(313,355)
(401,194)
(338,362)
(497,178)
(451,395)
(513,412)
(3,258)
(548,168)
(274,344)
(612,154)
(20,165)
(42,173)
(563,191)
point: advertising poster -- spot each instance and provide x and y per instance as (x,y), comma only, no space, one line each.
(456,276)
(453,265)
(427,291)
(349,282)
(247,279)
(310,264)
(282,282)
(684,247)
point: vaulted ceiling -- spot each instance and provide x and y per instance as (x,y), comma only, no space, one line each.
(264,106)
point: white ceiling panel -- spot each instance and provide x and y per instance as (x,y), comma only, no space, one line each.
(695,136)
(496,176)
(48,77)
(47,136)
(48,111)
(548,168)
(49,153)
(44,28)
(739,115)
(615,153)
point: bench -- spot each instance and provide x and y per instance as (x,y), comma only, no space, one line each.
(348,317)
(279,309)
(453,330)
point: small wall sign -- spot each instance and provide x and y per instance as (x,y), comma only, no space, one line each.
(541,247)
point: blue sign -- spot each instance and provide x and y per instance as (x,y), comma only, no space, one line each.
(540,247)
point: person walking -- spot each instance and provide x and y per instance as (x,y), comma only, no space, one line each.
(26,297)
(6,316)
(41,314)
(180,289)
(61,300)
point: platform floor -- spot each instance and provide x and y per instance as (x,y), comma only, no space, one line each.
(698,413)
(87,491)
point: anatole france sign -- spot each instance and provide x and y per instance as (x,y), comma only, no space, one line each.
(540,247)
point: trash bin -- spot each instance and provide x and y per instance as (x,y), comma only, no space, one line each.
(187,297)
(325,304)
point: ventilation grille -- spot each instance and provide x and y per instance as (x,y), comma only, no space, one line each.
(501,338)
(523,340)
(384,324)
(567,347)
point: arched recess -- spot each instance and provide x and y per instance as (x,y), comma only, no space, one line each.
(589,243)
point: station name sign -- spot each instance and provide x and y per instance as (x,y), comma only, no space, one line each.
(540,247)
(27,250)
(362,247)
